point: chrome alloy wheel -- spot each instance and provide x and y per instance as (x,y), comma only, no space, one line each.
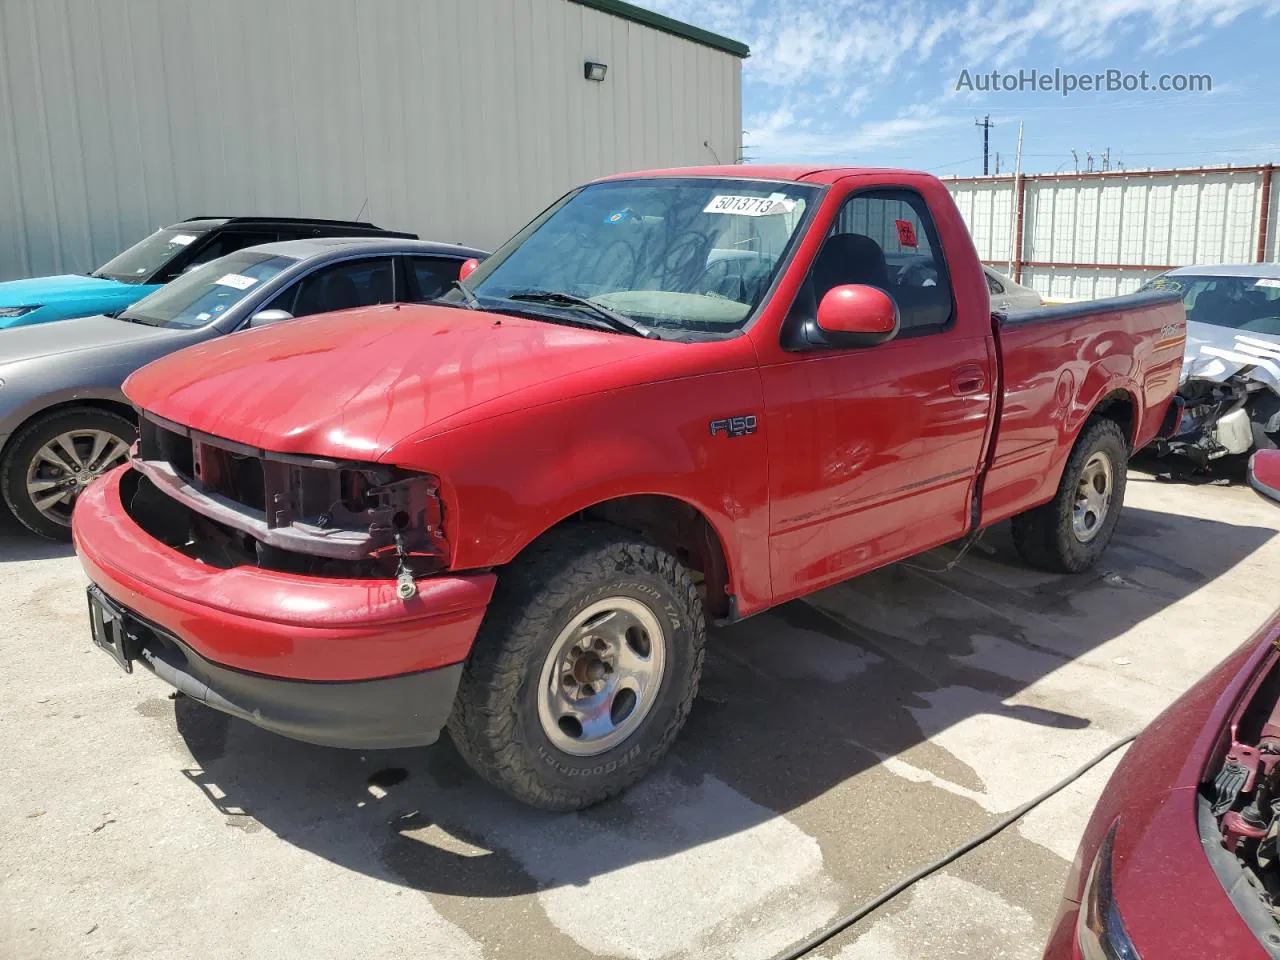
(1093,497)
(66,465)
(601,676)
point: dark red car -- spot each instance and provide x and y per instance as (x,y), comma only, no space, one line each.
(1264,473)
(1179,859)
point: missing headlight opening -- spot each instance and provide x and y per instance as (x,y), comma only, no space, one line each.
(227,505)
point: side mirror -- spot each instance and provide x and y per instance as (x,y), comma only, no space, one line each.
(468,267)
(856,315)
(264,318)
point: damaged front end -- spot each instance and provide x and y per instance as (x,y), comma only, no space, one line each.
(227,505)
(1230,401)
(1239,808)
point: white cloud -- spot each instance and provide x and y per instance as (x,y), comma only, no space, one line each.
(797,41)
(777,134)
(815,66)
(1007,29)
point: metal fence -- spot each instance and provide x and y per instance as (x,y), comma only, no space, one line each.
(1084,235)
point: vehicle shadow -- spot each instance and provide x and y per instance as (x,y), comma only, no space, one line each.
(19,543)
(1174,468)
(794,705)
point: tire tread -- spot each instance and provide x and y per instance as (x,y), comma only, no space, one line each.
(529,593)
(1043,536)
(13,474)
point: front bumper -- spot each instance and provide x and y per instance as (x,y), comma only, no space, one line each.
(405,711)
(342,662)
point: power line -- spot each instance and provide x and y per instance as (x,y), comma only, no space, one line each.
(950,163)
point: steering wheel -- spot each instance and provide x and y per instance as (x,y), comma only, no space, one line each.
(716,279)
(918,275)
(685,260)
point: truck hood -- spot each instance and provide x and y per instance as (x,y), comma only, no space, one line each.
(39,291)
(351,384)
(74,336)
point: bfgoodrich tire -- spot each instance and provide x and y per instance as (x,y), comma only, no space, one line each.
(51,459)
(1070,532)
(584,669)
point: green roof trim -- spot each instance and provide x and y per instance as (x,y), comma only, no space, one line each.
(666,24)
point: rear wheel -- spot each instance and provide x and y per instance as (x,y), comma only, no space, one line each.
(584,669)
(1070,532)
(54,457)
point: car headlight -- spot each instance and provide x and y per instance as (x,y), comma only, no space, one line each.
(1100,930)
(7,313)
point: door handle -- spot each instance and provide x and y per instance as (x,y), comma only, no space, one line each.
(968,378)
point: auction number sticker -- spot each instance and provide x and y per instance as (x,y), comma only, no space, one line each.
(749,206)
(183,239)
(1267,282)
(239,281)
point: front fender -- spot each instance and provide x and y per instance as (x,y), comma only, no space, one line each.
(509,479)
(17,408)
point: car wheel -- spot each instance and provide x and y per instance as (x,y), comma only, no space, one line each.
(1070,532)
(584,669)
(54,457)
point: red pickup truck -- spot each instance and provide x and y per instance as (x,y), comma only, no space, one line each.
(673,398)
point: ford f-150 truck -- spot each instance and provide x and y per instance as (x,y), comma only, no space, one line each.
(673,398)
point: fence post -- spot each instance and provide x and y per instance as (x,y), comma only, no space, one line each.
(1265,214)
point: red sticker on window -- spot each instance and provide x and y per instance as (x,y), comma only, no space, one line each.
(906,233)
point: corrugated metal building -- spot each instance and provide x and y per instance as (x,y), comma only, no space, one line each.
(1084,235)
(457,119)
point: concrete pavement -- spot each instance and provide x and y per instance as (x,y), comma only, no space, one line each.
(837,744)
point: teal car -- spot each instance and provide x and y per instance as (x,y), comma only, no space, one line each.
(153,262)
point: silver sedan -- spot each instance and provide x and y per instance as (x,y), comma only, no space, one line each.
(63,418)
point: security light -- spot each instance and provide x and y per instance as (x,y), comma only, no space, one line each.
(594,71)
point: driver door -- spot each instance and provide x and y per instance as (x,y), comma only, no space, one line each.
(874,451)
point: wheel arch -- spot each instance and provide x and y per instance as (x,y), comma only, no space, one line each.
(105,404)
(1121,405)
(673,523)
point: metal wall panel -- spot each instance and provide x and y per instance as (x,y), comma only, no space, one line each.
(1093,235)
(457,119)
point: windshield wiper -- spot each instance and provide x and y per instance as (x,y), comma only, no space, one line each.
(134,318)
(615,320)
(468,297)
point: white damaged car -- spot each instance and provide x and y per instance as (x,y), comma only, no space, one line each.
(1231,370)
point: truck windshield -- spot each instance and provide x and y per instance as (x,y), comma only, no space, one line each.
(207,292)
(140,262)
(676,254)
(1247,304)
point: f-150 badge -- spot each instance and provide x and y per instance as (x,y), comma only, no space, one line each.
(734,426)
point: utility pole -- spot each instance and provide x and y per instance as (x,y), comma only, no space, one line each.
(1088,167)
(986,125)
(1017,189)
(997,163)
(1075,158)
(1106,159)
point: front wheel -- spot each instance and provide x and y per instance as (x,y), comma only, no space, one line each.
(584,669)
(1069,533)
(54,457)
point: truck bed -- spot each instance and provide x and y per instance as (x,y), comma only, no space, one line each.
(1061,363)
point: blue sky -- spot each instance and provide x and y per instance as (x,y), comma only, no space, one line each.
(870,82)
